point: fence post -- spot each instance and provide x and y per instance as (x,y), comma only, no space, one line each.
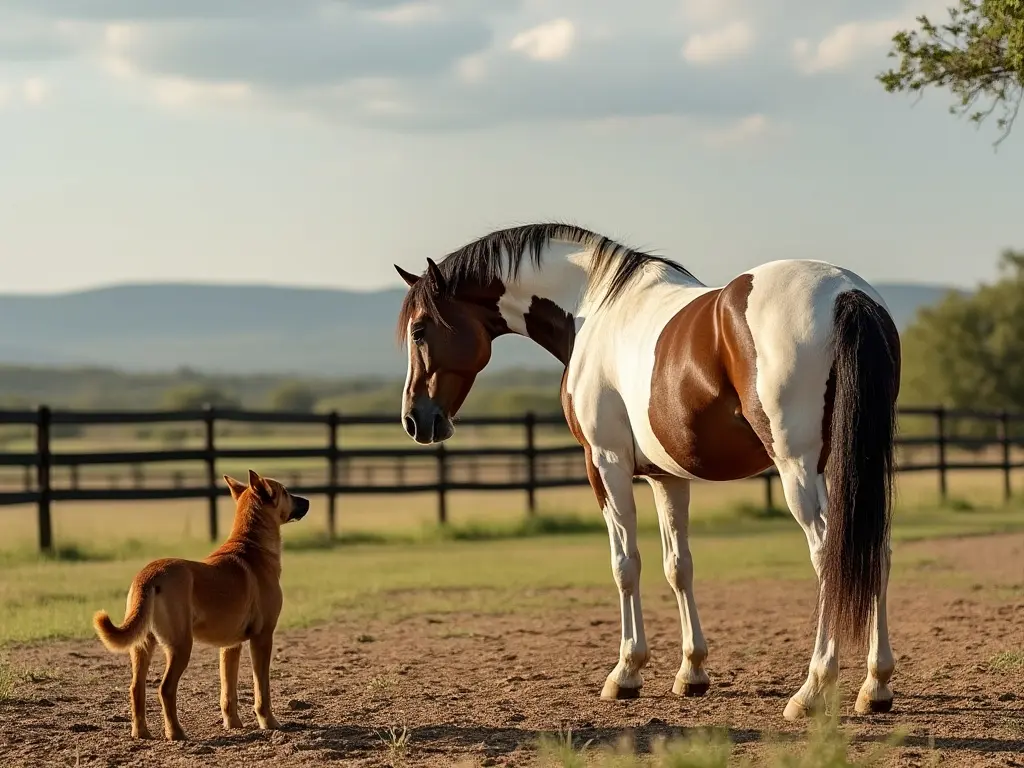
(209,419)
(940,426)
(1004,439)
(769,502)
(442,484)
(333,419)
(531,463)
(44,458)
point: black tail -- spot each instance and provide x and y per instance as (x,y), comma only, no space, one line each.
(860,466)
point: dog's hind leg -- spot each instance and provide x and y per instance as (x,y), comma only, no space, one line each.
(141,655)
(178,656)
(261,649)
(229,658)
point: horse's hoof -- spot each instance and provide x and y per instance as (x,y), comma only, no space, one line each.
(797,711)
(612,691)
(690,690)
(866,706)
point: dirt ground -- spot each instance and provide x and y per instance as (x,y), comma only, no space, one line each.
(480,689)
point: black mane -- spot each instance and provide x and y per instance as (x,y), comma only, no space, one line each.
(500,256)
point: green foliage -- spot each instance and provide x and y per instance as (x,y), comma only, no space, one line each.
(294,397)
(826,746)
(978,55)
(966,351)
(192,397)
(8,679)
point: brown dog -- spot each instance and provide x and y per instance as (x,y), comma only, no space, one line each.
(232,596)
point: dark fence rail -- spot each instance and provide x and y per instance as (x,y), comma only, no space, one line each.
(536,461)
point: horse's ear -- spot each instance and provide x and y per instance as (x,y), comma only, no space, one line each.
(409,277)
(436,278)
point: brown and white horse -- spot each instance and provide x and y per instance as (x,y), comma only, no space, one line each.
(794,363)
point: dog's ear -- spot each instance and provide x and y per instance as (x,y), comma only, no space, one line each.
(236,488)
(409,277)
(259,485)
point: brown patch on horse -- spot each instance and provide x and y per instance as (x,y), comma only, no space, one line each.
(704,406)
(574,426)
(552,327)
(440,369)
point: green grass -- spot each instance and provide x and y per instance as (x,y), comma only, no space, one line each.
(1008,662)
(8,679)
(826,746)
(467,567)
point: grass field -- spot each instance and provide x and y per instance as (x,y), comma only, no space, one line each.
(394,570)
(101,529)
(483,547)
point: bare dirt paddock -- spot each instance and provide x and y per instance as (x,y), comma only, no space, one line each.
(480,689)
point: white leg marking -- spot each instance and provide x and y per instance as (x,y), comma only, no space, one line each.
(805,495)
(875,694)
(626,679)
(672,498)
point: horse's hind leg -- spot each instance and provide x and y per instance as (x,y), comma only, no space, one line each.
(805,495)
(672,498)
(875,694)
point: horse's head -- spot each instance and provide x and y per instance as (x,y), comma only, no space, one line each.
(448,330)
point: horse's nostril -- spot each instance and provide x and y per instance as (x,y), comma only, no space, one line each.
(438,425)
(410,426)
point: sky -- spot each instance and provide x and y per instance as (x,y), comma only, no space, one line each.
(317,142)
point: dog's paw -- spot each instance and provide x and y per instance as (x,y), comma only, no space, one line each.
(269,724)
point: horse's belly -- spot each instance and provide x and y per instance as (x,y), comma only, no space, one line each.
(715,444)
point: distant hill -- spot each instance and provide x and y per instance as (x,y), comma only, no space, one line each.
(236,329)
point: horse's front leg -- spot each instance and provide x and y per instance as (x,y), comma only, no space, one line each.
(612,481)
(672,498)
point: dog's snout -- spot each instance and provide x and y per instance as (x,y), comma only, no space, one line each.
(300,506)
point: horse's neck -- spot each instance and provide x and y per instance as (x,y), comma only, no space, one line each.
(544,303)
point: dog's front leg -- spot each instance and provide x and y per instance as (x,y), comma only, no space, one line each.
(261,648)
(229,658)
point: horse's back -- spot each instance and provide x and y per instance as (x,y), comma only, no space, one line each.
(711,383)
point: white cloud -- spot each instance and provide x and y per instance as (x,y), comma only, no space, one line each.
(719,45)
(409,13)
(421,65)
(5,95)
(844,45)
(176,92)
(742,131)
(707,11)
(471,69)
(547,42)
(35,90)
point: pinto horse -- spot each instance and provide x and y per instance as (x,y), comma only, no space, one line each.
(793,363)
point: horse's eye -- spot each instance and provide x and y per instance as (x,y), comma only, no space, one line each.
(417,335)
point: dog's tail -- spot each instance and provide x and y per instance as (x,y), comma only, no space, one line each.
(136,621)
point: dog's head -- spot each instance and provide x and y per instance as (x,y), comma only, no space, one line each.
(275,499)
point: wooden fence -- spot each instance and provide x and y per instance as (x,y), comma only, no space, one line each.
(38,466)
